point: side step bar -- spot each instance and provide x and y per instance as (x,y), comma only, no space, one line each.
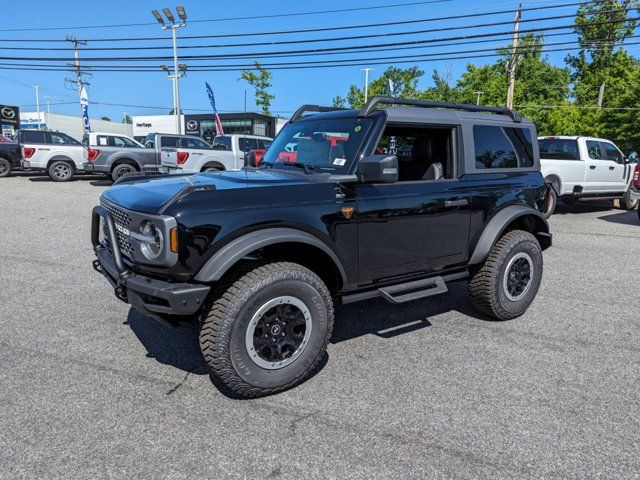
(408,291)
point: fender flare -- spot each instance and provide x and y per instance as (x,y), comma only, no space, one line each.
(496,227)
(62,158)
(227,256)
(212,163)
(125,159)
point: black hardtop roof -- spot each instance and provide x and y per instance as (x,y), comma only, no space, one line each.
(412,110)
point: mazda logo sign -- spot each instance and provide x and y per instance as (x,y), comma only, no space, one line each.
(192,125)
(8,113)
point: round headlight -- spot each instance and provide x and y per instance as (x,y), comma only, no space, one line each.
(151,248)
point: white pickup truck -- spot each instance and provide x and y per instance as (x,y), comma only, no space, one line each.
(585,168)
(190,154)
(242,144)
(53,152)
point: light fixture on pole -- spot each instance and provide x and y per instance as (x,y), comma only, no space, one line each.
(37,87)
(366,82)
(178,70)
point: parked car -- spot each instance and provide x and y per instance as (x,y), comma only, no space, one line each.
(257,258)
(634,189)
(241,145)
(10,158)
(53,152)
(191,154)
(118,155)
(4,139)
(585,168)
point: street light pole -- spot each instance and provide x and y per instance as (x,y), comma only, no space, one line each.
(366,82)
(478,99)
(37,87)
(175,78)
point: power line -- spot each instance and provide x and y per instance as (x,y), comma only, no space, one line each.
(331,49)
(230,19)
(287,32)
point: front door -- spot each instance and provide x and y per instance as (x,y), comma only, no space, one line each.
(616,180)
(411,228)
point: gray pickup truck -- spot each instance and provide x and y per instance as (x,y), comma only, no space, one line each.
(118,155)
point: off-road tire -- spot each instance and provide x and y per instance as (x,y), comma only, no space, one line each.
(121,170)
(56,168)
(486,284)
(224,326)
(626,203)
(5,167)
(550,207)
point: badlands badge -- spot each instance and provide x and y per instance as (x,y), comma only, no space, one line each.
(347,212)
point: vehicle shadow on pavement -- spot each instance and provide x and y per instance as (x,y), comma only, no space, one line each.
(630,217)
(577,208)
(103,182)
(76,178)
(387,320)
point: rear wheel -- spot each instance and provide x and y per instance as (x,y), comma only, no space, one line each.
(626,203)
(508,280)
(121,170)
(268,330)
(552,202)
(60,171)
(211,169)
(5,167)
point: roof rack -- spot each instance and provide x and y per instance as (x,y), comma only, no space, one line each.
(312,108)
(373,102)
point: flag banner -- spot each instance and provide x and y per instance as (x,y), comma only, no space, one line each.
(212,100)
(84,104)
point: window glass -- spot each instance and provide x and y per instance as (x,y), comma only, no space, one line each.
(193,142)
(168,141)
(327,145)
(124,142)
(558,149)
(102,141)
(149,142)
(62,139)
(612,153)
(224,141)
(521,140)
(32,137)
(264,144)
(595,152)
(246,144)
(493,149)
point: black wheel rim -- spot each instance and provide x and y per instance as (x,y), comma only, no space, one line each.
(124,171)
(278,332)
(518,276)
(4,168)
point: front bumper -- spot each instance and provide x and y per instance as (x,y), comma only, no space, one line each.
(149,296)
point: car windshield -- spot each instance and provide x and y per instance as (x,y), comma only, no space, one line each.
(324,145)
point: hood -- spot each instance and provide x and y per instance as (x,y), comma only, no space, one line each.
(150,195)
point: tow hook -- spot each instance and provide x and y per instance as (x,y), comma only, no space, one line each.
(96,266)
(120,293)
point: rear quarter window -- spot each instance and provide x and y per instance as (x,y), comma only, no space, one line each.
(502,147)
(32,137)
(558,149)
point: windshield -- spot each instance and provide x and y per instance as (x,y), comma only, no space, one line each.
(325,145)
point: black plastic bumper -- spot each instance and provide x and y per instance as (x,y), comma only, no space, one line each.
(147,295)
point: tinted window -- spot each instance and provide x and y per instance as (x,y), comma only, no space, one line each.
(612,153)
(594,150)
(246,144)
(58,138)
(493,149)
(149,142)
(169,141)
(124,142)
(224,141)
(264,144)
(559,149)
(32,137)
(521,140)
(193,142)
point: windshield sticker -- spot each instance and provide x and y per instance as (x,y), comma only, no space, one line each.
(340,161)
(358,128)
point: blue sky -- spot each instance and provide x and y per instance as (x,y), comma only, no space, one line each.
(291,87)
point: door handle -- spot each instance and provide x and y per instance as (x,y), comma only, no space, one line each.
(456,203)
(592,167)
(612,168)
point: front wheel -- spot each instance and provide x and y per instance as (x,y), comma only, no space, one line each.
(508,280)
(627,203)
(5,167)
(268,330)
(60,171)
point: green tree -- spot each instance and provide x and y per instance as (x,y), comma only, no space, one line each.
(442,90)
(172,111)
(261,82)
(105,118)
(338,101)
(127,119)
(405,84)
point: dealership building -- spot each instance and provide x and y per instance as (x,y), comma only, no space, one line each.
(71,125)
(204,125)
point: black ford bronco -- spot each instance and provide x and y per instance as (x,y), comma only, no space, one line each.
(345,206)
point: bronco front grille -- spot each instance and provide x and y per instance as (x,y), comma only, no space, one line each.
(123,219)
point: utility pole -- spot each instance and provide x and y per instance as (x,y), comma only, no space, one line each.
(479,94)
(514,58)
(47,120)
(37,87)
(601,95)
(366,82)
(78,70)
(173,26)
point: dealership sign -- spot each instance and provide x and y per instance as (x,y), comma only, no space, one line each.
(9,115)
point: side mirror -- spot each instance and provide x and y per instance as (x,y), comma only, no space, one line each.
(379,168)
(633,157)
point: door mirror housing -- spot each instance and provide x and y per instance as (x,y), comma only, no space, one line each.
(380,168)
(633,157)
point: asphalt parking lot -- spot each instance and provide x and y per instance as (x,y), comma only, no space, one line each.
(90,388)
